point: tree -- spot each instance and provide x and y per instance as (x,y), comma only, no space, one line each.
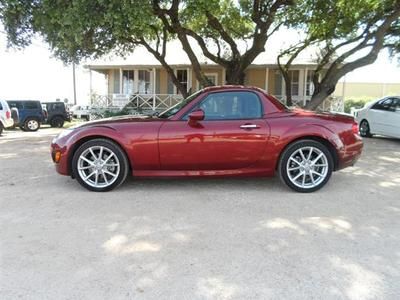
(350,33)
(81,29)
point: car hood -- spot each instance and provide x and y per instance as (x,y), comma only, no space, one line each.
(118,120)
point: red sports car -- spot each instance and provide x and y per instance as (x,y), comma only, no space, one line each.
(218,131)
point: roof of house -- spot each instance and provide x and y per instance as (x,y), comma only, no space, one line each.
(176,56)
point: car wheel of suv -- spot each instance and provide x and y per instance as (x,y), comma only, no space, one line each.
(364,129)
(100,165)
(1,128)
(31,124)
(57,122)
(305,166)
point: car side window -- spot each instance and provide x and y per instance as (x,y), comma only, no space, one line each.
(1,106)
(396,105)
(230,106)
(384,104)
(30,105)
(57,106)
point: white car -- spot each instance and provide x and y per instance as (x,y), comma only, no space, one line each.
(81,112)
(6,120)
(380,117)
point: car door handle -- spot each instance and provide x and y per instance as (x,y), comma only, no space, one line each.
(249,126)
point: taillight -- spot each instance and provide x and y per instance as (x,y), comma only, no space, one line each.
(355,128)
(8,114)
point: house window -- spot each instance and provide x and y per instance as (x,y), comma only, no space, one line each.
(309,83)
(128,82)
(294,84)
(278,83)
(182,76)
(212,77)
(144,83)
(116,86)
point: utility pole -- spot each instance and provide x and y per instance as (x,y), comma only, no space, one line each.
(74,81)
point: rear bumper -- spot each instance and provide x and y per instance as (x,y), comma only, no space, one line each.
(350,153)
(7,123)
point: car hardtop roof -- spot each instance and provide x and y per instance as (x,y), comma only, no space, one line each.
(21,100)
(232,87)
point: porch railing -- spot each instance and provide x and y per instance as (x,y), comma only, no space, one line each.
(140,102)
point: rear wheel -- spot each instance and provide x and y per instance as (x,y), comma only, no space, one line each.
(100,165)
(364,129)
(57,122)
(1,128)
(31,125)
(305,166)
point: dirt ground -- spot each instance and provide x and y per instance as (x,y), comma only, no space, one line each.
(197,238)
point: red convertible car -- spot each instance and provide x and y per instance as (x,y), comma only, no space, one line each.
(218,131)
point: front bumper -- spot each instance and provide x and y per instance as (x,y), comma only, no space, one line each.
(62,164)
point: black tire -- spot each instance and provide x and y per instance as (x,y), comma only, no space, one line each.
(31,124)
(21,127)
(291,150)
(116,149)
(57,122)
(1,128)
(365,129)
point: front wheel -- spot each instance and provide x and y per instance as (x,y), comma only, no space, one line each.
(100,165)
(305,166)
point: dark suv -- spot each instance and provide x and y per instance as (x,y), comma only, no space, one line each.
(30,113)
(56,114)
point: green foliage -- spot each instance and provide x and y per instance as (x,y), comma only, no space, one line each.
(354,103)
(80,29)
(336,19)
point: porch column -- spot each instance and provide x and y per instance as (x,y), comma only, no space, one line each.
(305,87)
(136,81)
(266,79)
(223,79)
(154,88)
(120,80)
(90,85)
(189,80)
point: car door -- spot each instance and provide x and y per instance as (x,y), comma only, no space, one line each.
(378,116)
(232,135)
(393,119)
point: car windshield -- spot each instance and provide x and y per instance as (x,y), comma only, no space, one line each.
(177,107)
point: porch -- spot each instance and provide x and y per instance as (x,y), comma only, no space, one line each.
(149,88)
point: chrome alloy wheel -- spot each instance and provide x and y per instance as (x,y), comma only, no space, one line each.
(98,166)
(307,167)
(32,125)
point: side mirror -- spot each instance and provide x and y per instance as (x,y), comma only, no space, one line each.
(197,115)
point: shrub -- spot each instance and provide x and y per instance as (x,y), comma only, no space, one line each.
(348,104)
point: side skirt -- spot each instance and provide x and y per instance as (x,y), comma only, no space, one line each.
(204,173)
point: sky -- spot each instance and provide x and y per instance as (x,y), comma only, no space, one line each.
(33,73)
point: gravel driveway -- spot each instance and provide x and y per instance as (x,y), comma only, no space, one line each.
(197,238)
